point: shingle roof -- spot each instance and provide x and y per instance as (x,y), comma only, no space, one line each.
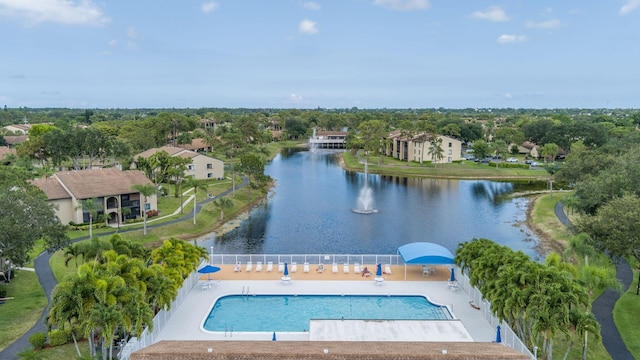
(171,150)
(5,150)
(52,188)
(308,350)
(15,139)
(85,184)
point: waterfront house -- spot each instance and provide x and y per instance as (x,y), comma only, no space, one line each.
(415,147)
(201,166)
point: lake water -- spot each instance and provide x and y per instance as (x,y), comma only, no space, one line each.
(309,212)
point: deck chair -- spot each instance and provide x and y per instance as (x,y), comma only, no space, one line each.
(356,268)
(387,269)
(334,268)
(238,267)
(345,268)
(305,268)
(294,267)
(269,266)
(258,266)
(281,267)
(249,266)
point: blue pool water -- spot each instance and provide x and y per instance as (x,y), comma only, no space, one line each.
(292,313)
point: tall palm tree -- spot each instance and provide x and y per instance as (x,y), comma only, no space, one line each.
(221,204)
(196,185)
(145,190)
(436,151)
(92,206)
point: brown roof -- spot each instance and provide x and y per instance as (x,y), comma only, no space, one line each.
(307,350)
(171,150)
(85,184)
(197,143)
(52,188)
(343,133)
(12,140)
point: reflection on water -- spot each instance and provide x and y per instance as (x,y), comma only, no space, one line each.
(310,212)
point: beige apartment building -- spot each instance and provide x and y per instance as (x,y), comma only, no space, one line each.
(416,147)
(202,166)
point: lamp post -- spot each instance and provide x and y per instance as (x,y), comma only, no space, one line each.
(211,256)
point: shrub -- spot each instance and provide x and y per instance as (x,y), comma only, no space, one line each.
(38,340)
(152,213)
(59,337)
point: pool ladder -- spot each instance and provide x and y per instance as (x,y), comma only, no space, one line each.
(228,330)
(245,292)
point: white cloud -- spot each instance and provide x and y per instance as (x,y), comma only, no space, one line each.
(307,26)
(132,33)
(549,24)
(296,99)
(508,96)
(58,11)
(494,13)
(310,5)
(209,7)
(507,39)
(403,5)
(629,6)
(112,43)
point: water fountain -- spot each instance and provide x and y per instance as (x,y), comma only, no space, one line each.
(313,145)
(365,197)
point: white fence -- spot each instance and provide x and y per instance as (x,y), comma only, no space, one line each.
(159,321)
(509,337)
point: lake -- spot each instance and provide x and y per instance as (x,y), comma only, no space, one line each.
(310,212)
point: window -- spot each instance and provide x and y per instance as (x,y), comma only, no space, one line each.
(209,166)
(449,159)
(450,152)
(191,167)
(450,144)
(209,175)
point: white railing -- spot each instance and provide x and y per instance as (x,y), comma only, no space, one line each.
(312,259)
(159,321)
(509,337)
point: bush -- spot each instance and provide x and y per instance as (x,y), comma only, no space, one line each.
(38,340)
(59,337)
(152,213)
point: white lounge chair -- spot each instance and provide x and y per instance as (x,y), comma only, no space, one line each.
(305,268)
(238,267)
(379,280)
(281,267)
(356,268)
(387,269)
(249,266)
(334,268)
(345,268)
(258,266)
(269,266)
(294,267)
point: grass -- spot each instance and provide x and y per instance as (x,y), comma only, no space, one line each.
(625,314)
(550,230)
(462,170)
(19,315)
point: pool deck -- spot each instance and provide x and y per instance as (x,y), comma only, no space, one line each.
(469,324)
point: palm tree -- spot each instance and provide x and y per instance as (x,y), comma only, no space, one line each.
(92,206)
(436,151)
(221,204)
(72,252)
(197,185)
(145,190)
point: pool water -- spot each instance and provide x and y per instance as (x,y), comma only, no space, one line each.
(292,313)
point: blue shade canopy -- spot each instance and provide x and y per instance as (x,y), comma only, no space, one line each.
(420,253)
(209,269)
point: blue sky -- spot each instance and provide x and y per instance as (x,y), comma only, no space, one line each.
(328,54)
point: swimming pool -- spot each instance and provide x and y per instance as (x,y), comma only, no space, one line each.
(292,313)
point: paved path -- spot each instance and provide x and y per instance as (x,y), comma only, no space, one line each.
(602,307)
(48,280)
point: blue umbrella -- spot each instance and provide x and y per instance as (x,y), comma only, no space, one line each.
(379,270)
(274,336)
(286,270)
(453,275)
(498,337)
(209,269)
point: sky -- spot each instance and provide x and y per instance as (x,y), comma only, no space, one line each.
(329,54)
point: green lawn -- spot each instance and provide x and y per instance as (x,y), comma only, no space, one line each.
(20,314)
(625,315)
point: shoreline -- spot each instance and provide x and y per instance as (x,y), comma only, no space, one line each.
(545,243)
